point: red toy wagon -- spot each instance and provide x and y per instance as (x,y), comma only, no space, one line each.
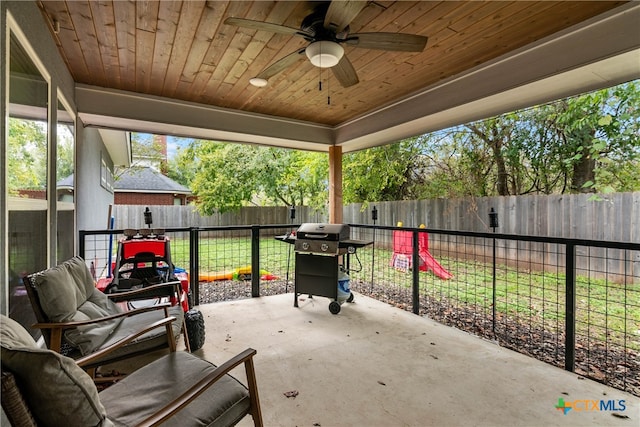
(144,261)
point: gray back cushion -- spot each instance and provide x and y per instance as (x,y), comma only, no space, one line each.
(57,391)
(67,293)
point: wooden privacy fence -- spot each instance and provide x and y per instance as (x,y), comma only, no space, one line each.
(615,218)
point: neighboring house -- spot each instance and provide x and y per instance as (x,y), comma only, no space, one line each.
(139,186)
(64,189)
(147,186)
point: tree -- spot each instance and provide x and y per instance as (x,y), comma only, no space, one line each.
(27,155)
(227,176)
(147,151)
(65,152)
(596,129)
(180,168)
(584,144)
(389,172)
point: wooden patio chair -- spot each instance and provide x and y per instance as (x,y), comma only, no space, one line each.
(77,320)
(43,388)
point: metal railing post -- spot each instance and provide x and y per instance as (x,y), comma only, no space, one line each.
(415,269)
(194,266)
(570,308)
(81,244)
(255,260)
(493,296)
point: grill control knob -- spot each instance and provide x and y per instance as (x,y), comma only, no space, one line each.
(324,247)
(305,246)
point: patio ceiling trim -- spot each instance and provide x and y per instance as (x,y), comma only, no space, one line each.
(115,109)
(598,53)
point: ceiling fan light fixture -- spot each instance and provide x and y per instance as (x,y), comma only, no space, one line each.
(324,54)
(258,82)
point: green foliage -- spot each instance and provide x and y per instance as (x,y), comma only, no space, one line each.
(390,172)
(65,152)
(229,176)
(27,155)
(180,168)
(590,143)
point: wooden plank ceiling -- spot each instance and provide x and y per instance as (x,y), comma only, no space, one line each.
(184,50)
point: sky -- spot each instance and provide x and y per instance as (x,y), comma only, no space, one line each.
(174,142)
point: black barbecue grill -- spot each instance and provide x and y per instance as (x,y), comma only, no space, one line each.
(319,249)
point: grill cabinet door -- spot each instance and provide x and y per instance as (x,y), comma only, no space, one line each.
(317,275)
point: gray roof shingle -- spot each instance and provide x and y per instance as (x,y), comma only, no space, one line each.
(139,179)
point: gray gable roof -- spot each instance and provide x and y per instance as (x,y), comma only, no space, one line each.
(146,179)
(66,182)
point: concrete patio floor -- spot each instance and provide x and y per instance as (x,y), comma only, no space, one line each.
(375,365)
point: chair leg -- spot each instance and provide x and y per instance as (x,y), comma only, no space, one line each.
(92,373)
(252,385)
(186,335)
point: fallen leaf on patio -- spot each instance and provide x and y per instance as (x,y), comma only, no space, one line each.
(381,383)
(565,393)
(316,424)
(434,356)
(432,343)
(615,414)
(292,393)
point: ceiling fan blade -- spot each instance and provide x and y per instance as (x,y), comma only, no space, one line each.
(341,13)
(281,64)
(264,26)
(345,73)
(389,41)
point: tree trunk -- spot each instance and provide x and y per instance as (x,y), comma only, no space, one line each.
(584,168)
(496,143)
(583,172)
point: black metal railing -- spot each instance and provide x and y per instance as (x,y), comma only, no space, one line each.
(572,303)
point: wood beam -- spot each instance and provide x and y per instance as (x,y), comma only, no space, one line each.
(335,185)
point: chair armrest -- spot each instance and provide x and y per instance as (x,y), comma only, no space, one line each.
(188,396)
(75,324)
(167,289)
(166,322)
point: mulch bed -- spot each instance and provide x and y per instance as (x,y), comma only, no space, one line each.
(614,366)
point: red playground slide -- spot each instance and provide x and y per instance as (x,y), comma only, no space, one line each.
(430,263)
(402,251)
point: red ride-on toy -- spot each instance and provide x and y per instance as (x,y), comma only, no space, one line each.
(143,263)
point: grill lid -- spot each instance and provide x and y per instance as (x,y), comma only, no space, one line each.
(320,231)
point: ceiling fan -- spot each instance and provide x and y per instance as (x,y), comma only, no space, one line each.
(326,28)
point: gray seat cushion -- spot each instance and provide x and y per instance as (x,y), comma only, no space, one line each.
(224,403)
(152,339)
(67,293)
